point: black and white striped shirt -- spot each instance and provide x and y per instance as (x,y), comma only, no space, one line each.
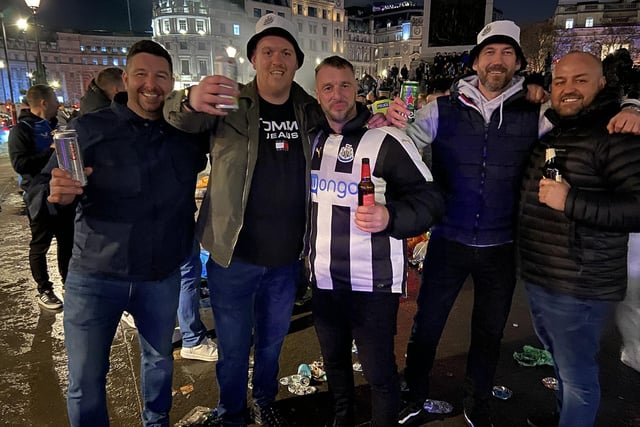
(342,256)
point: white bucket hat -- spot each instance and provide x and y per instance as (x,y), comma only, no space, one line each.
(275,25)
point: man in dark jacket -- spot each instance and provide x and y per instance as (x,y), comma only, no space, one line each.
(134,228)
(101,90)
(30,147)
(573,231)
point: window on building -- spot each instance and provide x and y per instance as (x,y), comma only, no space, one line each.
(257,12)
(94,61)
(182,26)
(202,46)
(200,26)
(588,23)
(166,26)
(325,14)
(236,29)
(338,33)
(94,48)
(123,50)
(116,62)
(124,62)
(202,67)
(84,61)
(105,61)
(266,12)
(312,12)
(281,14)
(568,24)
(71,60)
(82,48)
(167,46)
(300,10)
(184,67)
(223,28)
(325,46)
(312,44)
(338,18)
(313,29)
(324,30)
(183,46)
(299,27)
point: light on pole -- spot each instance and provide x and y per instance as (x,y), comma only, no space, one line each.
(24,25)
(40,73)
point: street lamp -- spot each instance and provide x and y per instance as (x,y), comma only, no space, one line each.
(23,25)
(40,73)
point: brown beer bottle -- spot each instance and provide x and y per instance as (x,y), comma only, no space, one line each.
(366,190)
(550,168)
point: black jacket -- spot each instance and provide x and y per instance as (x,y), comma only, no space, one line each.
(583,250)
(95,99)
(30,145)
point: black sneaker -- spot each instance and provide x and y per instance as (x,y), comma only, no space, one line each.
(268,416)
(545,420)
(410,413)
(479,415)
(47,299)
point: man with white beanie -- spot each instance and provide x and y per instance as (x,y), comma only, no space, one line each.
(254,216)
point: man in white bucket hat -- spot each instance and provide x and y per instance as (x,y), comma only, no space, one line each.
(253,218)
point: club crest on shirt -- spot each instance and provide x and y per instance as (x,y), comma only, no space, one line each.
(345,155)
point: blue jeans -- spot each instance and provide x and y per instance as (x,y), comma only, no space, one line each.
(570,329)
(249,302)
(93,307)
(446,267)
(191,327)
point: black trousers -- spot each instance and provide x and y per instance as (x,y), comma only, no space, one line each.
(370,319)
(447,266)
(43,229)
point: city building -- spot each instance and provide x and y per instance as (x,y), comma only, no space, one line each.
(600,27)
(70,60)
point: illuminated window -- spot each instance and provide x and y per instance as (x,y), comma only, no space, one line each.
(182,26)
(166,26)
(184,67)
(588,23)
(568,24)
(236,29)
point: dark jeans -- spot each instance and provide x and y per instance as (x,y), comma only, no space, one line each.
(370,318)
(249,303)
(43,229)
(570,329)
(447,266)
(191,327)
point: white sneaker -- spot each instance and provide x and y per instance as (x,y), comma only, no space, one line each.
(128,320)
(206,351)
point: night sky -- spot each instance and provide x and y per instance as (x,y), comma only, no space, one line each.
(111,15)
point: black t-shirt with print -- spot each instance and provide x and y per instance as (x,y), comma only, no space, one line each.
(274,220)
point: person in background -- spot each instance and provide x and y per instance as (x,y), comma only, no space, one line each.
(573,232)
(358,261)
(30,147)
(134,228)
(101,90)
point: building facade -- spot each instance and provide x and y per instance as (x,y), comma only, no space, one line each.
(600,27)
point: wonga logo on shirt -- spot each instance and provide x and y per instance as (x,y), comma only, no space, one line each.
(341,188)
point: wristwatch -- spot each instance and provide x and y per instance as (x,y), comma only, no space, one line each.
(184,101)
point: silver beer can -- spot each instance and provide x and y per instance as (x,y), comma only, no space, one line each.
(68,154)
(226,66)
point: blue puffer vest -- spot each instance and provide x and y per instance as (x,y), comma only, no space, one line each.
(480,168)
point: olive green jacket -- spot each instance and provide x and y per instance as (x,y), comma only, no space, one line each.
(233,152)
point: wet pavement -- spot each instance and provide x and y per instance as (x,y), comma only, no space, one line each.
(33,368)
